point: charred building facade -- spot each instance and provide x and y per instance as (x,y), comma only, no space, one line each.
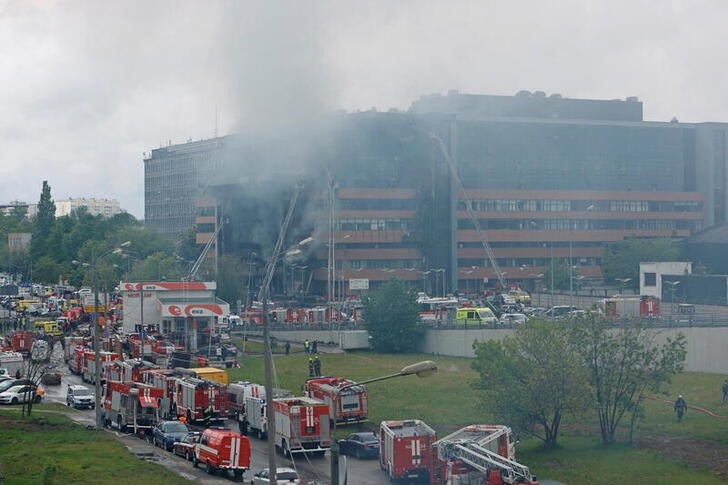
(547,178)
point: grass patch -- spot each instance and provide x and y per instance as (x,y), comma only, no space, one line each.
(578,460)
(51,449)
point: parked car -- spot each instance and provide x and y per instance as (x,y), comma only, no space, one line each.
(51,377)
(284,476)
(166,433)
(186,446)
(513,318)
(19,394)
(5,385)
(559,310)
(80,397)
(360,445)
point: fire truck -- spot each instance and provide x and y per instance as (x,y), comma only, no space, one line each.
(477,455)
(126,371)
(140,347)
(302,426)
(88,372)
(405,448)
(632,307)
(200,399)
(165,379)
(254,405)
(131,406)
(347,406)
(22,342)
(222,449)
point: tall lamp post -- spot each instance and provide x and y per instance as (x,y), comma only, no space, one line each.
(673,285)
(420,369)
(97,353)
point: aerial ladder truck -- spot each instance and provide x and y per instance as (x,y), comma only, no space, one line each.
(477,455)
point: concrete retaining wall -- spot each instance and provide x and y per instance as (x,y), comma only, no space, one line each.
(707,346)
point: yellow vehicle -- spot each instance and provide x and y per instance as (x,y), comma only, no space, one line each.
(212,373)
(475,316)
(22,305)
(48,327)
(521,297)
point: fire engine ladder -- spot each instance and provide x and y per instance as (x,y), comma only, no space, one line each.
(484,460)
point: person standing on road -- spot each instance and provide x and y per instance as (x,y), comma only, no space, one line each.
(287,347)
(306,346)
(725,391)
(317,365)
(680,407)
(243,424)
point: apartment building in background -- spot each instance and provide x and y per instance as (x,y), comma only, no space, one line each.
(95,207)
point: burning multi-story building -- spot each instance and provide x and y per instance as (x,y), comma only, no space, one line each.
(545,178)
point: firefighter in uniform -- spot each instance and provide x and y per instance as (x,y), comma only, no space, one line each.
(311,368)
(317,365)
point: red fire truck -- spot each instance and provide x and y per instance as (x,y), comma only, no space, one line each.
(632,307)
(302,426)
(126,371)
(200,399)
(88,372)
(347,400)
(22,342)
(222,449)
(165,379)
(131,406)
(477,455)
(75,362)
(405,448)
(139,347)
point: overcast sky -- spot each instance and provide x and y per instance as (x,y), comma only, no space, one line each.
(87,87)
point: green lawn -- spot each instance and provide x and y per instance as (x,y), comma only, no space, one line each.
(446,401)
(50,449)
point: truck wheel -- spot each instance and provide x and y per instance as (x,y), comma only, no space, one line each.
(237,475)
(189,416)
(189,456)
(210,469)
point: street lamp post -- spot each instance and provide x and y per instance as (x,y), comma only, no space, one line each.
(95,335)
(420,369)
(673,285)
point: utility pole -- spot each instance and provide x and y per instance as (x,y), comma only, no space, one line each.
(97,353)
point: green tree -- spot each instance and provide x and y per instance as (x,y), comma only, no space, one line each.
(622,259)
(561,277)
(392,318)
(623,364)
(533,379)
(44,220)
(46,270)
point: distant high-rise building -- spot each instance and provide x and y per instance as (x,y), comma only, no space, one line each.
(95,207)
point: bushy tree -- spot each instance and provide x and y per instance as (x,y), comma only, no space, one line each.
(392,318)
(533,379)
(622,259)
(561,277)
(623,363)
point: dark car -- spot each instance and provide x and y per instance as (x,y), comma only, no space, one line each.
(360,445)
(186,446)
(166,433)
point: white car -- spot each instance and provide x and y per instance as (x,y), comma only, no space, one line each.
(284,476)
(19,394)
(513,318)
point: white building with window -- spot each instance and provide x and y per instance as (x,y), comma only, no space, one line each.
(651,275)
(95,207)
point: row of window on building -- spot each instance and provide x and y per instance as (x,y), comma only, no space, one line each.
(582,224)
(554,205)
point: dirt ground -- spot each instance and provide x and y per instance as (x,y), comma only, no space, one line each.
(700,453)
